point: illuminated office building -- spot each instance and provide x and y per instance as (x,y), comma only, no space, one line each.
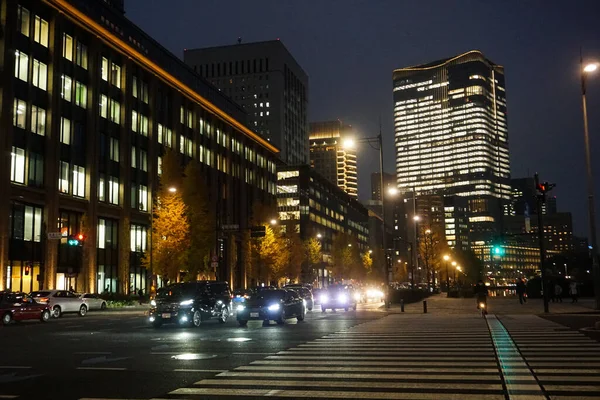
(451,136)
(330,158)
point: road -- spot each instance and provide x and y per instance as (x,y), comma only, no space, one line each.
(367,354)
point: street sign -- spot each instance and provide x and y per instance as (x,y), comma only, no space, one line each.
(215,259)
(54,235)
(214,264)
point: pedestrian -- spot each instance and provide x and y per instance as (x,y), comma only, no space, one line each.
(71,289)
(107,289)
(141,294)
(521,291)
(558,292)
(573,291)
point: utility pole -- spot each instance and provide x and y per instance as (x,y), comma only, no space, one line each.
(543,189)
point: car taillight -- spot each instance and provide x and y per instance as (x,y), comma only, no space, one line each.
(44,300)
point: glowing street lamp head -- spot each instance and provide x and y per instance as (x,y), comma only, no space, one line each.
(273,222)
(172,189)
(416,218)
(590,67)
(458,267)
(454,263)
(348,143)
(392,191)
(446,257)
(428,231)
(319,236)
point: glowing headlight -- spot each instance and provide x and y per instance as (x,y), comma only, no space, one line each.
(153,303)
(274,307)
(186,302)
(152,319)
(324,298)
(240,307)
(184,319)
(342,298)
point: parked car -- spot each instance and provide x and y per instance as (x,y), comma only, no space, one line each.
(338,296)
(272,305)
(93,301)
(61,302)
(305,293)
(19,307)
(191,303)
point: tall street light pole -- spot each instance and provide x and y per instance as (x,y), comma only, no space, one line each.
(447,258)
(590,181)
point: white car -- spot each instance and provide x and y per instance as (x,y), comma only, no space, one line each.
(93,301)
(61,301)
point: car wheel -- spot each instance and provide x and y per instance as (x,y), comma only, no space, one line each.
(266,322)
(56,312)
(103,306)
(323,309)
(301,316)
(157,323)
(7,318)
(354,308)
(196,318)
(281,319)
(346,309)
(224,314)
(45,316)
(243,323)
(82,311)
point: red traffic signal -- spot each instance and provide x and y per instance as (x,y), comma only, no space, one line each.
(80,237)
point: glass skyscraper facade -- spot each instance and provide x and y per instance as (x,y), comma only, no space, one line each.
(451,134)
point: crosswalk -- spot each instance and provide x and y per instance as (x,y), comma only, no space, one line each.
(396,357)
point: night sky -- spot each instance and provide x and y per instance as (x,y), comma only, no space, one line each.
(349,49)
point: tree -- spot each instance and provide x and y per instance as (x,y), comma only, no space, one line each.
(268,255)
(431,249)
(346,257)
(367,262)
(170,226)
(201,220)
(312,248)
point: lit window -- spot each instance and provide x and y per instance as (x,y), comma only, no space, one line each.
(66,88)
(19,113)
(101,189)
(40,75)
(63,177)
(81,56)
(182,144)
(78,181)
(23,24)
(113,148)
(113,190)
(133,157)
(143,198)
(38,120)
(143,160)
(65,130)
(103,106)
(17,165)
(143,125)
(67,49)
(134,121)
(104,69)
(80,95)
(115,75)
(115,111)
(159,166)
(36,170)
(40,33)
(21,66)
(138,238)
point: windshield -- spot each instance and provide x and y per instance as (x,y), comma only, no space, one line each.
(177,291)
(269,295)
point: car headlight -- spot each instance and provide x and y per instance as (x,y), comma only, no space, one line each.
(274,307)
(342,298)
(153,303)
(240,307)
(324,298)
(186,302)
(304,302)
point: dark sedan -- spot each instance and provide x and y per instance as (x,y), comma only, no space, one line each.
(305,293)
(20,307)
(272,305)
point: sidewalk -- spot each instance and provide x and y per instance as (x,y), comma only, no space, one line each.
(440,304)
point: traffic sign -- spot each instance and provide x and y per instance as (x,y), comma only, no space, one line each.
(54,235)
(214,264)
(215,259)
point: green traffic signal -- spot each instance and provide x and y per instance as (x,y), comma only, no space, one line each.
(498,250)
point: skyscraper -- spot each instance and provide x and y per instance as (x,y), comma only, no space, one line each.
(265,79)
(451,136)
(329,156)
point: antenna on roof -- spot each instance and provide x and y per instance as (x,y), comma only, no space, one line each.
(239,40)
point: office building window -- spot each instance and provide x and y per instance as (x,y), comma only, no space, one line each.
(40,75)
(81,56)
(19,113)
(134,87)
(159,166)
(115,111)
(104,69)
(144,92)
(143,161)
(165,135)
(66,90)
(113,190)
(21,66)
(138,238)
(181,144)
(133,157)
(65,130)
(78,181)
(38,120)
(115,75)
(23,24)
(101,188)
(143,198)
(134,120)
(17,165)
(36,170)
(113,149)
(143,125)
(63,177)
(40,33)
(103,106)
(80,95)
(67,49)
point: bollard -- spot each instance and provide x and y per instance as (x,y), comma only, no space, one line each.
(424,306)
(402,305)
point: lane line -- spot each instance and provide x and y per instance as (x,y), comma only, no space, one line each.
(14,367)
(94,352)
(217,371)
(101,369)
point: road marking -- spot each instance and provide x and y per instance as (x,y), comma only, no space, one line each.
(8,396)
(101,368)
(14,367)
(94,352)
(380,377)
(252,354)
(217,371)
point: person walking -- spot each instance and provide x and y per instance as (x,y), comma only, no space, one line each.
(573,291)
(558,292)
(521,291)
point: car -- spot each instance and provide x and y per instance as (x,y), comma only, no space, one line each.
(93,301)
(305,293)
(61,302)
(337,297)
(240,296)
(272,305)
(15,306)
(317,292)
(191,303)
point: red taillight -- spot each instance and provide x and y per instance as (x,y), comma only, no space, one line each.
(44,300)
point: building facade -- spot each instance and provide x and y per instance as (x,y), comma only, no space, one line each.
(451,135)
(89,103)
(558,230)
(330,158)
(266,80)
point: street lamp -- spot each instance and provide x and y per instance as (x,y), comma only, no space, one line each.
(172,189)
(587,69)
(319,237)
(447,258)
(273,222)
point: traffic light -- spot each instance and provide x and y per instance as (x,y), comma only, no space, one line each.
(76,240)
